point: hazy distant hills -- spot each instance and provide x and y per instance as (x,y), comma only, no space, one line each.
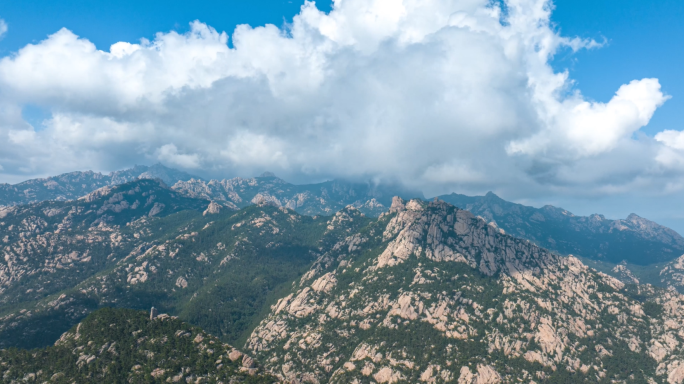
(635,240)
(71,186)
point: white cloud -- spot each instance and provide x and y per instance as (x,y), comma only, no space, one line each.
(575,127)
(438,94)
(3,28)
(672,139)
(169,154)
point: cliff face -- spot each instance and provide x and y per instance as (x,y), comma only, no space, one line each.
(430,293)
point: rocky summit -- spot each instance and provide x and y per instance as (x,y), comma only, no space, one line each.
(642,245)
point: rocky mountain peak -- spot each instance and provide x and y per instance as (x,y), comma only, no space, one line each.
(431,293)
(492,196)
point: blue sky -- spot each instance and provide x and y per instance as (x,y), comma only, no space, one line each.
(644,39)
(345,96)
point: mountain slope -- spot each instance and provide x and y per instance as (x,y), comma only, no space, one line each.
(71,186)
(634,240)
(117,346)
(49,246)
(311,199)
(217,269)
(430,293)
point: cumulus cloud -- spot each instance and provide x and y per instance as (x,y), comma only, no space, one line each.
(578,128)
(438,94)
(3,28)
(169,154)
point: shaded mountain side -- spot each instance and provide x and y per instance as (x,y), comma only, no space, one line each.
(431,293)
(310,199)
(125,346)
(71,186)
(218,270)
(634,240)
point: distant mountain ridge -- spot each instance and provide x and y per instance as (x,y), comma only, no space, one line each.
(310,199)
(71,186)
(635,239)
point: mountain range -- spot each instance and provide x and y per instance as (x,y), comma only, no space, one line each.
(634,241)
(317,284)
(71,186)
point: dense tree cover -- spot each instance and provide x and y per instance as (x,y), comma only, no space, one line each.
(120,345)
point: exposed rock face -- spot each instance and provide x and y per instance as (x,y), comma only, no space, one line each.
(212,209)
(672,275)
(624,274)
(635,239)
(49,247)
(434,294)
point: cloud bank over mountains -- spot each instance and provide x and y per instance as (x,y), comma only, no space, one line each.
(439,94)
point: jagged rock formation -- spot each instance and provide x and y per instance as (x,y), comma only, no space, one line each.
(431,293)
(71,186)
(635,240)
(313,199)
(118,346)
